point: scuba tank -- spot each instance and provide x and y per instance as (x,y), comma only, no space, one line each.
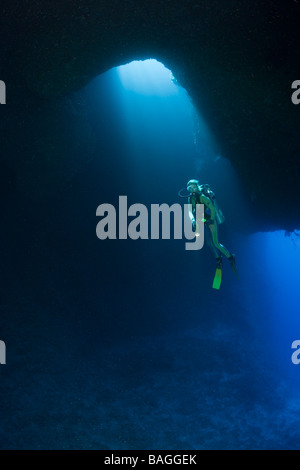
(205,189)
(220,217)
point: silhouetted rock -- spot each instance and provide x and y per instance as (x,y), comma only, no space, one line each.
(236,59)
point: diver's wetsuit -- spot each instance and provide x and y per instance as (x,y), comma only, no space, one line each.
(211,223)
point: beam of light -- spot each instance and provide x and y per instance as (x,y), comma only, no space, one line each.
(277,259)
(271,271)
(158,113)
(157,125)
(147,77)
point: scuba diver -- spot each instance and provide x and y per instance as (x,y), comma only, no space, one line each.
(213,216)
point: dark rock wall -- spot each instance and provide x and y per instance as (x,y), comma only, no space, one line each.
(237,59)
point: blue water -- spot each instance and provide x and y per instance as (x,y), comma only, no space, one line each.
(124,344)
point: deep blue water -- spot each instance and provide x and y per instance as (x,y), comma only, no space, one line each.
(123,344)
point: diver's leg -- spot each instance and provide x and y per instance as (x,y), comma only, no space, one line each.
(213,228)
(210,243)
(215,239)
(218,275)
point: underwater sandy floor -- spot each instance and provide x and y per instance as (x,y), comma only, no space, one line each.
(194,389)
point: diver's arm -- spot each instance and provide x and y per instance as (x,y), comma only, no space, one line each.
(192,210)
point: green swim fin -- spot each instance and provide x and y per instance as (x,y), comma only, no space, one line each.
(218,275)
(217,279)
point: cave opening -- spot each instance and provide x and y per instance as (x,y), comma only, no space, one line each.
(141,316)
(124,344)
(160,139)
(160,142)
